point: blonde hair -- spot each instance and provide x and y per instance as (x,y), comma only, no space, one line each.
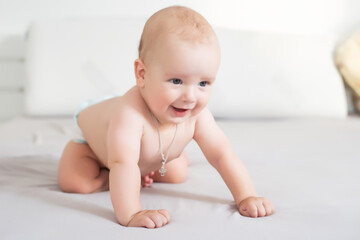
(188,24)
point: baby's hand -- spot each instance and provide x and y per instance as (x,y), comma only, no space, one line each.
(256,207)
(150,219)
(147,180)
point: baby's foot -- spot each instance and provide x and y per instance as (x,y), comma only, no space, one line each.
(147,180)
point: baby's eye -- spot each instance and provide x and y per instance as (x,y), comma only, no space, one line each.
(176,81)
(203,84)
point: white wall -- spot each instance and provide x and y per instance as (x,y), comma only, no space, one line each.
(339,17)
(299,16)
(282,15)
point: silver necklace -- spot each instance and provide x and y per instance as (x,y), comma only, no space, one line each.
(164,159)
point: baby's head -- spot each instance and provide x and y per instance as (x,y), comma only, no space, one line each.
(185,23)
(179,56)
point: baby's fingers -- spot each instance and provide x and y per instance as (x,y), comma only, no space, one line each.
(248,210)
(150,219)
(261,212)
(147,180)
(256,207)
(160,218)
(165,213)
(269,208)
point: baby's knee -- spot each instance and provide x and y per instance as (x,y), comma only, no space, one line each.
(179,171)
(179,177)
(71,185)
(75,186)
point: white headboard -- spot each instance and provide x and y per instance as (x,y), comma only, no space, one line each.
(261,74)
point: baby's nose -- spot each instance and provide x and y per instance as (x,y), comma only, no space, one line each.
(189,95)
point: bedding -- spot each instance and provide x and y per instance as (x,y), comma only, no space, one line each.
(308,167)
(262,74)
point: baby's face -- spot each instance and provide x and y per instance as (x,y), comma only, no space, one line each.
(179,78)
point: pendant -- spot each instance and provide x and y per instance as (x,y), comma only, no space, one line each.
(162,170)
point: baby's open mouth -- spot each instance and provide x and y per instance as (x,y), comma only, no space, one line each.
(180,112)
(179,109)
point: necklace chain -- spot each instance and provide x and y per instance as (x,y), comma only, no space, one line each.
(163,158)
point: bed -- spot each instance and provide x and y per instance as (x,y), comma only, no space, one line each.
(296,140)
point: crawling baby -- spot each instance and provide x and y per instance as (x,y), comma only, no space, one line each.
(132,140)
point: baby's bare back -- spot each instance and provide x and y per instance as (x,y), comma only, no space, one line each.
(94,122)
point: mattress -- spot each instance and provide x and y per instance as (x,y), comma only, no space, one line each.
(308,168)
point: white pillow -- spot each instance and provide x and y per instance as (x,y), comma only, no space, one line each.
(261,75)
(277,75)
(72,61)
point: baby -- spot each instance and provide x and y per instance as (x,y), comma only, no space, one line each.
(135,139)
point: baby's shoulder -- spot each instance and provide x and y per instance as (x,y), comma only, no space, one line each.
(129,107)
(204,116)
(203,121)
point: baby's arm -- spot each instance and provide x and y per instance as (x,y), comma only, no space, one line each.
(218,152)
(125,178)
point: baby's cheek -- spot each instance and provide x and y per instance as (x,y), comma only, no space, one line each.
(162,101)
(165,95)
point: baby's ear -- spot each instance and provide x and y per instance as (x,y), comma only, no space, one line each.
(139,68)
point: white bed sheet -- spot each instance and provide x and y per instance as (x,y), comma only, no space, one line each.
(307,167)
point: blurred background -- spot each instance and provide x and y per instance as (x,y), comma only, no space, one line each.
(314,17)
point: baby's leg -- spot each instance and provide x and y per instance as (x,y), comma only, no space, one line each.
(80,171)
(176,170)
